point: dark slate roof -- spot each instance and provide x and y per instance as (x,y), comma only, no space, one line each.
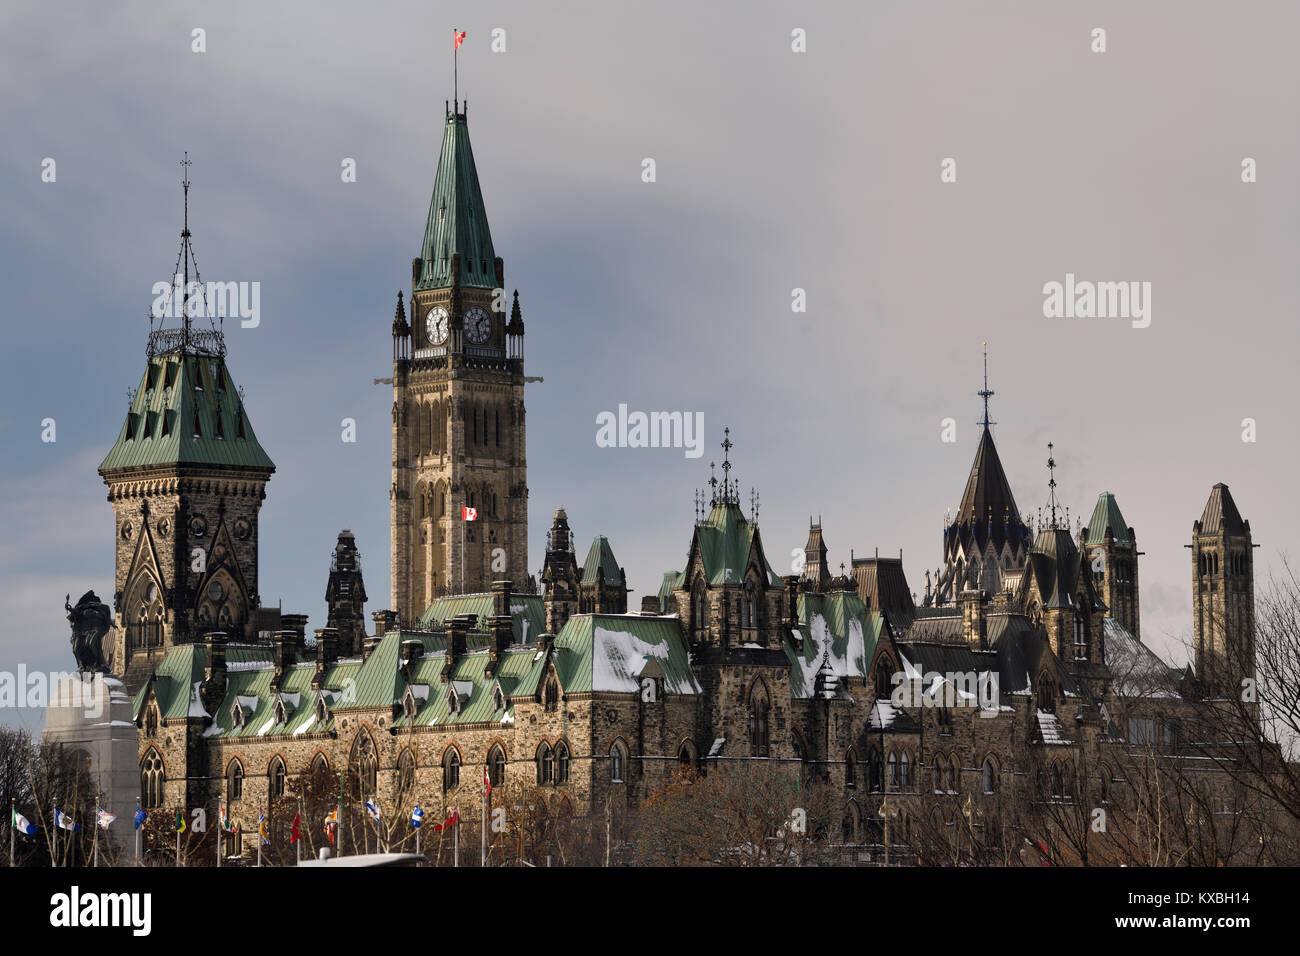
(1022,651)
(1106,515)
(601,557)
(1136,671)
(457,219)
(1221,513)
(1054,563)
(988,508)
(946,628)
(187,411)
(883,587)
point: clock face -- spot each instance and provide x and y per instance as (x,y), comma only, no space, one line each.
(435,325)
(478,325)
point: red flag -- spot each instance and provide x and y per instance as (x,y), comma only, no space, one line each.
(469,514)
(487,782)
(294,834)
(450,822)
(460,38)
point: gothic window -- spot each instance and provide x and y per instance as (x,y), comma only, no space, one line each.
(1058,787)
(561,763)
(990,776)
(320,764)
(874,767)
(152,779)
(905,771)
(950,775)
(545,765)
(497,430)
(276,777)
(451,769)
(1046,696)
(497,765)
(442,502)
(406,772)
(747,616)
(551,695)
(937,781)
(884,679)
(893,770)
(758,729)
(617,759)
(364,765)
(234,781)
(686,760)
(850,770)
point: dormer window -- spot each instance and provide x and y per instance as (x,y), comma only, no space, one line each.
(322,712)
(498,699)
(453,700)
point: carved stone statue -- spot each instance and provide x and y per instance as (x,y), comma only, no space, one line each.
(90,621)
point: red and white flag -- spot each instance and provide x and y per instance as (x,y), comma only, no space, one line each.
(469,514)
(487,781)
(460,38)
(450,822)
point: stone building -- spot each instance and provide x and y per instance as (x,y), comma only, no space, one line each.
(1002,676)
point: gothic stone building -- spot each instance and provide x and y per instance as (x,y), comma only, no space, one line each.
(556,684)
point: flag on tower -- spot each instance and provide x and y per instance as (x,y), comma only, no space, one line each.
(469,514)
(20,823)
(460,38)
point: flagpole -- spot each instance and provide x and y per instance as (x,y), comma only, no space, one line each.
(455,74)
(456,858)
(178,841)
(137,826)
(99,798)
(54,835)
(462,550)
(221,827)
(13,830)
(298,842)
(483,855)
(259,836)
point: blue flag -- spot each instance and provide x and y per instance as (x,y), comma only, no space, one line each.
(139,818)
(63,821)
(372,808)
(417,817)
(21,823)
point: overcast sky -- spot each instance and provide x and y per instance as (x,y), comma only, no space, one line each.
(775,170)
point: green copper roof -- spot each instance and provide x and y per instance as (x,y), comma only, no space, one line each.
(518,674)
(457,220)
(725,541)
(838,622)
(528,615)
(608,652)
(672,581)
(174,678)
(601,557)
(186,411)
(1107,514)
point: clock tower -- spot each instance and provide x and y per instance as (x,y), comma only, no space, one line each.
(458,402)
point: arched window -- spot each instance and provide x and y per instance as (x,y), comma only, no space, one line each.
(749,606)
(320,764)
(617,759)
(1058,785)
(874,768)
(406,771)
(850,770)
(561,763)
(497,765)
(363,765)
(884,679)
(990,775)
(937,780)
(893,770)
(545,765)
(905,771)
(699,609)
(451,769)
(234,781)
(551,695)
(758,732)
(950,775)
(275,777)
(1046,695)
(152,779)
(686,759)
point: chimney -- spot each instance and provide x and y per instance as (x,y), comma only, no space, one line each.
(385,621)
(296,623)
(792,596)
(501,598)
(326,650)
(213,689)
(650,605)
(457,629)
(286,655)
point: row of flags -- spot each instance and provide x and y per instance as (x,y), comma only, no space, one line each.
(61,820)
(104,819)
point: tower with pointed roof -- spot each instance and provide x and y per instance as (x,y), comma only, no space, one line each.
(186,479)
(458,401)
(1113,558)
(1223,595)
(987,541)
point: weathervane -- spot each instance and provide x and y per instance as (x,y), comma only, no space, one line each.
(987,392)
(1051,486)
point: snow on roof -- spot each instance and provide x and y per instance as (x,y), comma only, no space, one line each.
(1050,728)
(619,657)
(717,746)
(196,702)
(883,714)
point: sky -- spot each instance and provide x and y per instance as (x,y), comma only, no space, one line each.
(775,170)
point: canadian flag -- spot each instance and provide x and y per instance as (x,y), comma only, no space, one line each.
(460,38)
(469,514)
(487,781)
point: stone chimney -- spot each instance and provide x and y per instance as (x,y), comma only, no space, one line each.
(327,650)
(286,655)
(213,689)
(296,623)
(385,621)
(457,629)
(650,605)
